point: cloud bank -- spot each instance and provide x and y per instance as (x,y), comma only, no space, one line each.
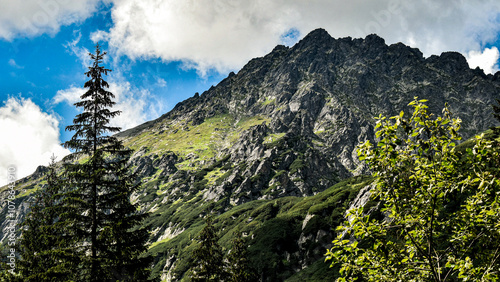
(224,34)
(29,138)
(29,18)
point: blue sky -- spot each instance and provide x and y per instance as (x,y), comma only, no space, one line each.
(163,51)
(38,68)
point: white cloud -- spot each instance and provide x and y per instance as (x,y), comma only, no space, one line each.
(13,64)
(205,34)
(29,138)
(136,105)
(70,95)
(35,17)
(160,82)
(81,53)
(486,60)
(224,34)
(132,104)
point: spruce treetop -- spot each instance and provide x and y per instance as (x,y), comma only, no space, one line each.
(92,125)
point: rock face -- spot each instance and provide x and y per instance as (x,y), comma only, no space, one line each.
(286,126)
(318,99)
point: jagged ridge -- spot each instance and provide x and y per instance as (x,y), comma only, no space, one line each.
(319,97)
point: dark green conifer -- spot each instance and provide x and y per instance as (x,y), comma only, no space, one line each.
(44,249)
(208,257)
(239,269)
(100,216)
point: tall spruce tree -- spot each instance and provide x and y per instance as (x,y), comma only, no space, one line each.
(239,269)
(100,217)
(208,256)
(44,249)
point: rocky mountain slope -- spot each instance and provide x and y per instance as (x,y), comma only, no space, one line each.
(271,150)
(324,92)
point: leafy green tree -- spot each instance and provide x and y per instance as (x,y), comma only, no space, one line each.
(99,214)
(45,252)
(237,260)
(440,206)
(208,257)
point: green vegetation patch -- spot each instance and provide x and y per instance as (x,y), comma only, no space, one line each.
(273,138)
(213,175)
(275,226)
(195,144)
(297,164)
(246,122)
(28,191)
(184,139)
(269,101)
(469,143)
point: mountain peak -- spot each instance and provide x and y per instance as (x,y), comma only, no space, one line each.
(318,33)
(451,62)
(316,36)
(374,39)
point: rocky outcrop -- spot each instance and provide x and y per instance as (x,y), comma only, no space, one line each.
(326,91)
